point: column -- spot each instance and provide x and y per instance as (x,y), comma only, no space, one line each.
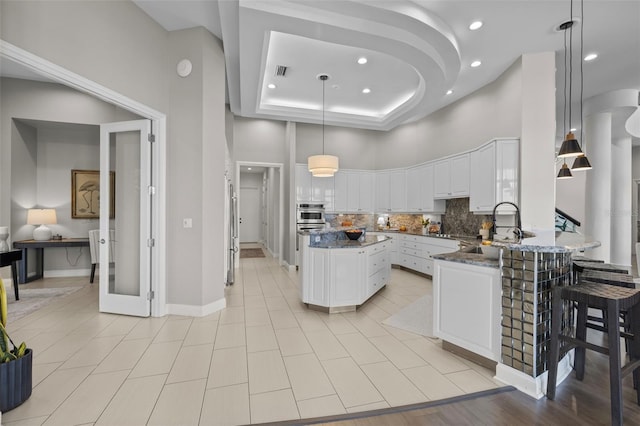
(598,189)
(621,201)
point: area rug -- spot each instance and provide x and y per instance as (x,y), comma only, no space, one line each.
(416,317)
(247,253)
(33,299)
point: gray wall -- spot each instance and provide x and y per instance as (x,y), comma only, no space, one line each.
(117,45)
(47,130)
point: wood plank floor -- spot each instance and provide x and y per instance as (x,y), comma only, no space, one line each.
(576,403)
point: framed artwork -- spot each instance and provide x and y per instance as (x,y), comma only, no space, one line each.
(85,194)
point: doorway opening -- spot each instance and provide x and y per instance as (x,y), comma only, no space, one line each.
(260,190)
(53,73)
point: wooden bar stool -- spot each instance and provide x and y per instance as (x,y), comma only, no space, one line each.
(614,300)
(580,267)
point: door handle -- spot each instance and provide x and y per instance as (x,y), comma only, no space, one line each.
(102,241)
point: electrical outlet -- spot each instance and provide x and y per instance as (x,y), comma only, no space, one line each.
(317,238)
(187,222)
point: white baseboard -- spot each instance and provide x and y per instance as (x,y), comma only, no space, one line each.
(290,268)
(196,311)
(535,387)
(55,273)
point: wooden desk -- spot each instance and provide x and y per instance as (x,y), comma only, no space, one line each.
(11,258)
(39,246)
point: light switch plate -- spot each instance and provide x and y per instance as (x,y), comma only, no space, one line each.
(187,222)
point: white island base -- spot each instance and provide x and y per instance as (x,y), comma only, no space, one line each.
(341,277)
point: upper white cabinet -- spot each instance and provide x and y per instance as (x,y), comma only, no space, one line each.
(419,192)
(310,188)
(353,191)
(391,195)
(494,175)
(340,195)
(451,177)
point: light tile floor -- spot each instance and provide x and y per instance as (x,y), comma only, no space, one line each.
(266,357)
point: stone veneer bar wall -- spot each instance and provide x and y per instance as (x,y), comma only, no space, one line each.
(528,279)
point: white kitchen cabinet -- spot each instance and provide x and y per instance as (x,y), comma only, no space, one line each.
(318,293)
(415,251)
(342,278)
(359,190)
(347,276)
(383,186)
(451,177)
(494,175)
(391,195)
(340,192)
(466,302)
(303,183)
(420,190)
(378,267)
(310,188)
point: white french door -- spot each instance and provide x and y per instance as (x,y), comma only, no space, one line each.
(125,217)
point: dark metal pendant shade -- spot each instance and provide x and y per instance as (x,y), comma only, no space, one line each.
(570,147)
(564,172)
(581,163)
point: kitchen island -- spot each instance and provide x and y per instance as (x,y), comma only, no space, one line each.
(337,274)
(518,308)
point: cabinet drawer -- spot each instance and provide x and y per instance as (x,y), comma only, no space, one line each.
(377,261)
(411,252)
(412,262)
(412,245)
(377,281)
(411,238)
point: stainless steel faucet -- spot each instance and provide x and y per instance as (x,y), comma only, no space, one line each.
(518,230)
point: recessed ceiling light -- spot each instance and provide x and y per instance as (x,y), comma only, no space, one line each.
(248,168)
(449,92)
(476,25)
(476,64)
(362,60)
(591,57)
(271,86)
(366,90)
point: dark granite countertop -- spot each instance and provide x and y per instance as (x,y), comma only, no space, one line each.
(476,259)
(368,240)
(551,242)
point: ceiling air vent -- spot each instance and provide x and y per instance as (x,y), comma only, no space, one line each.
(281,70)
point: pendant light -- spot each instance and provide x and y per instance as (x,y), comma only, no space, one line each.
(581,162)
(565,172)
(570,146)
(323,165)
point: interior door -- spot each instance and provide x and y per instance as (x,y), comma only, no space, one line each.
(125,285)
(249,215)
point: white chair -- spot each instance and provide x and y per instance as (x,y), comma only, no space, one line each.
(94,249)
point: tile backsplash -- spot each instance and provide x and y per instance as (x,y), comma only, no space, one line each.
(457,219)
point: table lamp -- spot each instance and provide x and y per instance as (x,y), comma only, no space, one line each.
(41,217)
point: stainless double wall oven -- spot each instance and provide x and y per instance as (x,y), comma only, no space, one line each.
(310,216)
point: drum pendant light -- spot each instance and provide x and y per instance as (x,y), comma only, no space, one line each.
(581,162)
(323,165)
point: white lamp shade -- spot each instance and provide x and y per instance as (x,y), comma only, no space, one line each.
(323,165)
(41,217)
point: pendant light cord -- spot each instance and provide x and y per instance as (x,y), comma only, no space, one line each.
(324,79)
(581,71)
(564,109)
(570,61)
